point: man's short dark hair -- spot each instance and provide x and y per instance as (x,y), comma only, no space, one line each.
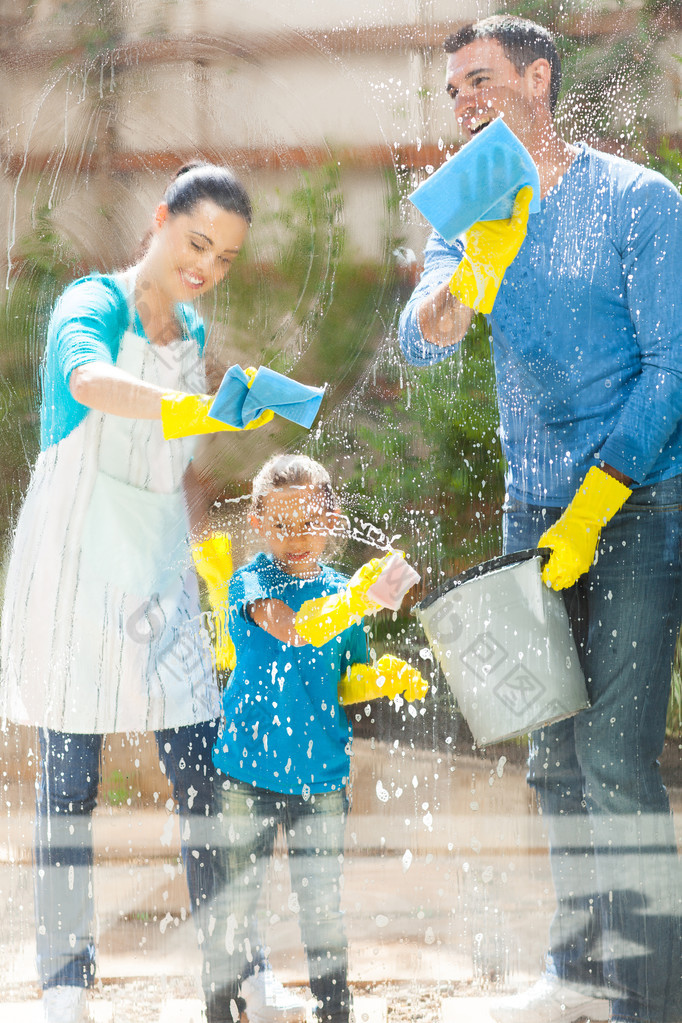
(523,42)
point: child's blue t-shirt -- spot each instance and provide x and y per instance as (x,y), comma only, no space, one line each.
(284,729)
(87,323)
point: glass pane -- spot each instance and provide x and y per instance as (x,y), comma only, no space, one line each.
(437,877)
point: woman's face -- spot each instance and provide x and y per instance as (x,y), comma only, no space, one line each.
(194,250)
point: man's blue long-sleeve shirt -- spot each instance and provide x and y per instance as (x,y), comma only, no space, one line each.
(586,331)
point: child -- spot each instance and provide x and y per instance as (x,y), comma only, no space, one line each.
(283,754)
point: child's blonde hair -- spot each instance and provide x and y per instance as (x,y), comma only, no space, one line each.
(283,471)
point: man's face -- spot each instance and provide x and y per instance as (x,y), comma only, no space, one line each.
(484,84)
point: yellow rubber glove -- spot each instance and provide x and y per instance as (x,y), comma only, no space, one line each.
(491,246)
(574,537)
(388,677)
(213,562)
(186,415)
(322,618)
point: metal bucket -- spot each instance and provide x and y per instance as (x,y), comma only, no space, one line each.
(505,646)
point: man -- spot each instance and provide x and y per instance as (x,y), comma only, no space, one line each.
(585,308)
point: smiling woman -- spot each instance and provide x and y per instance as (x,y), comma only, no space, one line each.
(202,233)
(100,554)
(197,231)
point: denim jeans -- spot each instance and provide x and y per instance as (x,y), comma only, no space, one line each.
(314,830)
(614,858)
(66,795)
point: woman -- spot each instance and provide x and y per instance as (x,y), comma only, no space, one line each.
(101,628)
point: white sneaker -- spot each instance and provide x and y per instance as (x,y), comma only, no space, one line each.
(64,1004)
(549,1001)
(267,1001)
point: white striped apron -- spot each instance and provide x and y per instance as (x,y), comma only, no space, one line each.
(101,625)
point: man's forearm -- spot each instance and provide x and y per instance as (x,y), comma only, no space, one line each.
(443,319)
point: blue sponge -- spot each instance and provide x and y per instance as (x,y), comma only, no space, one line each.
(479,182)
(237,404)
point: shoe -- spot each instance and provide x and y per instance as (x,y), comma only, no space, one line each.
(64,1004)
(549,1001)
(216,1011)
(267,1001)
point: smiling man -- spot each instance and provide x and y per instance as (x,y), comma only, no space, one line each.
(584,306)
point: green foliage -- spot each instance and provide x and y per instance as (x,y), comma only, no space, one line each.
(608,78)
(44,264)
(303,305)
(280,296)
(119,787)
(673,8)
(668,160)
(426,448)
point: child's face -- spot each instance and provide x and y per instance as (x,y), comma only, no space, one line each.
(295,524)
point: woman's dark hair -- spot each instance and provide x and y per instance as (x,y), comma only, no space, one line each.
(200,180)
(523,42)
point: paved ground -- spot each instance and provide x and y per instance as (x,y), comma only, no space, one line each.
(447,896)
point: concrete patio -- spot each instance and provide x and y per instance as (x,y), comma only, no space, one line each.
(447,893)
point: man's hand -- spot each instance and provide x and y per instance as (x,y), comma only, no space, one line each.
(491,246)
(574,537)
(443,320)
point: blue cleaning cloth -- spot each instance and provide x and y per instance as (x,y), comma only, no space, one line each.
(237,404)
(480,182)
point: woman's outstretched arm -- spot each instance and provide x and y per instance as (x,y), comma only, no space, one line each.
(106,388)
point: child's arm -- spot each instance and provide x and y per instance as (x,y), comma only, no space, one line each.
(322,618)
(278,619)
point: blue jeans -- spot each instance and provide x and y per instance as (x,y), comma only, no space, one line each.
(66,795)
(614,857)
(314,830)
